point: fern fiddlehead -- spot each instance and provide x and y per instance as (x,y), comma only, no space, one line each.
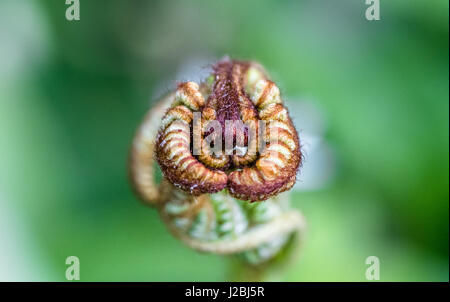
(228,203)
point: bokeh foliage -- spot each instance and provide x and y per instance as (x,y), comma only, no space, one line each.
(76,91)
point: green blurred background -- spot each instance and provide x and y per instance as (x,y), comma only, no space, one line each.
(73,93)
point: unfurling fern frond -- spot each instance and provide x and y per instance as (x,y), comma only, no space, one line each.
(228,203)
